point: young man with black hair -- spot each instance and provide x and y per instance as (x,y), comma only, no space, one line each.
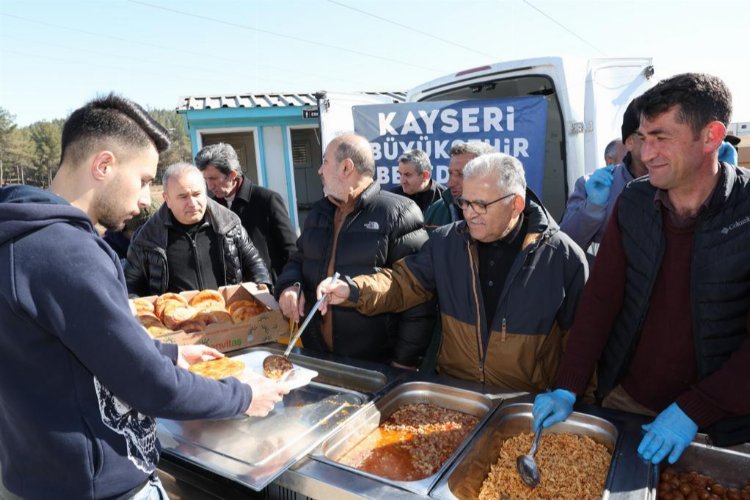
(81,381)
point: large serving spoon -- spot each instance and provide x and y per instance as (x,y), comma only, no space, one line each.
(527,466)
(279,360)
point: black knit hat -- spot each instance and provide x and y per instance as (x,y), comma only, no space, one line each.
(631,120)
(732,139)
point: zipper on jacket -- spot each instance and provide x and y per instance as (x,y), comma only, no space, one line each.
(228,280)
(477,301)
(503,332)
(199,271)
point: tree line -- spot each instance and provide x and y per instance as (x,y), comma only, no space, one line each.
(31,154)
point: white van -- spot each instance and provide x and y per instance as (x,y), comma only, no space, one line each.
(585,104)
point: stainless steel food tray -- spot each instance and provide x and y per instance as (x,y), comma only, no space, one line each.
(254,451)
(465,477)
(352,432)
(728,466)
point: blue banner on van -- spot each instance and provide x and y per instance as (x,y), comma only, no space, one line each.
(515,126)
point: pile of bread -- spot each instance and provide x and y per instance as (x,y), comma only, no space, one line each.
(172,312)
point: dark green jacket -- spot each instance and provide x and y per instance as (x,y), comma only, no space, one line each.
(441,212)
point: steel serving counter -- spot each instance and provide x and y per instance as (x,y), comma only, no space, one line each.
(288,454)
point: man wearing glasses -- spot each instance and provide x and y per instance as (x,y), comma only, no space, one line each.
(506,279)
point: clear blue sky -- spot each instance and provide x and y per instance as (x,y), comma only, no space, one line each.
(57,54)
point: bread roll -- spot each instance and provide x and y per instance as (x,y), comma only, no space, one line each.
(158,331)
(175,313)
(153,326)
(208,300)
(243,310)
(213,317)
(218,368)
(148,319)
(165,299)
(143,306)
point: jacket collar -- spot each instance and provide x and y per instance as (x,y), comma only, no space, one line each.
(246,189)
(723,189)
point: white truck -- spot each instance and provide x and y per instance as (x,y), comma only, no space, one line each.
(585,104)
(280,137)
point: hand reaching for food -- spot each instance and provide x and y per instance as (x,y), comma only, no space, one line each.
(190,354)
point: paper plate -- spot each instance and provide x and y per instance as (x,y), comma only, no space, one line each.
(300,377)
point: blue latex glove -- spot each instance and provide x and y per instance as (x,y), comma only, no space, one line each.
(598,184)
(552,407)
(727,153)
(669,434)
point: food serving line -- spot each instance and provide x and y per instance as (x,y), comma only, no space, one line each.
(295,451)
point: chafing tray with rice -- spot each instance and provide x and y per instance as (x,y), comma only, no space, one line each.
(574,458)
(408,438)
(707,472)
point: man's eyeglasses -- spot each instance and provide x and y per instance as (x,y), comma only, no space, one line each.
(480,207)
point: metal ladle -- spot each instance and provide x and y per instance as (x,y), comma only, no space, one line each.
(301,329)
(526,465)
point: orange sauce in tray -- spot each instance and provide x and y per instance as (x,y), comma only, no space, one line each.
(411,444)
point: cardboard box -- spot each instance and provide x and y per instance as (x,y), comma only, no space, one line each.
(266,327)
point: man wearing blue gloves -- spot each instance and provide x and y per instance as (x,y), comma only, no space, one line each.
(590,205)
(665,313)
(727,153)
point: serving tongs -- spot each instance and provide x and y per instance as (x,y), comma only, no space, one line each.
(308,318)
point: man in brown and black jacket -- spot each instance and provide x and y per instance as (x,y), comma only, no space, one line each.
(355,229)
(507,282)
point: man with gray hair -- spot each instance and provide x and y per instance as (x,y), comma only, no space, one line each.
(614,152)
(191,242)
(262,211)
(444,210)
(416,183)
(506,278)
(355,229)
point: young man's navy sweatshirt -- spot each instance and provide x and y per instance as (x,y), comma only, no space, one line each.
(80,380)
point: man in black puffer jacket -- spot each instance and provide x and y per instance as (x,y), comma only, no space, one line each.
(356,229)
(191,243)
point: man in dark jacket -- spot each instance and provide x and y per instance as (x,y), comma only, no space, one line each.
(444,210)
(665,314)
(415,179)
(191,243)
(262,211)
(590,205)
(80,379)
(355,229)
(506,278)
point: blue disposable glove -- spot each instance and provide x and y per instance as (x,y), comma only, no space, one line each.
(598,184)
(669,434)
(552,407)
(727,153)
